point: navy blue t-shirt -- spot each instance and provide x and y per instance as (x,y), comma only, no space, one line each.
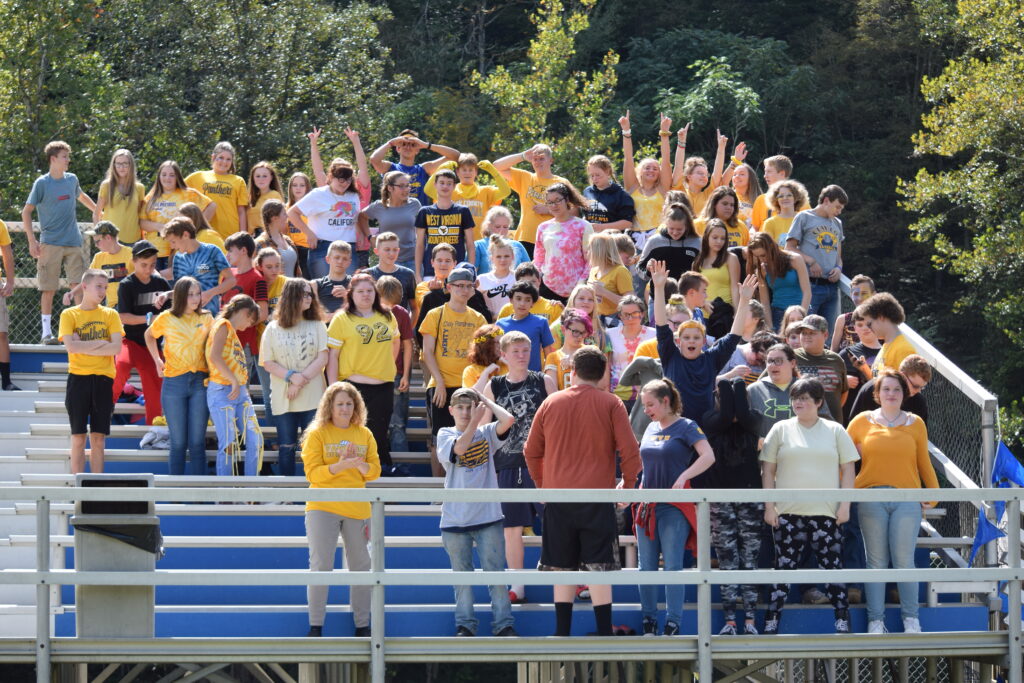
(403,275)
(695,379)
(418,178)
(666,453)
(608,205)
(536,328)
(444,226)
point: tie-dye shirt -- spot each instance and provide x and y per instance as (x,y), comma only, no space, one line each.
(233,354)
(561,253)
(184,341)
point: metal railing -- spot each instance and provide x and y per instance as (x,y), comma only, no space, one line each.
(701,648)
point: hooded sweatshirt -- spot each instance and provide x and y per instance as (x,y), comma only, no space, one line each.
(678,255)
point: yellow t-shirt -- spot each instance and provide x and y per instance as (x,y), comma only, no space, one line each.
(618,281)
(124,212)
(298,237)
(647,349)
(321,448)
(184,341)
(255,213)
(777,226)
(228,192)
(274,290)
(892,354)
(554,362)
(648,210)
(367,345)
(552,310)
(697,199)
(99,323)
(719,283)
(477,198)
(117,267)
(422,289)
(453,334)
(5,239)
(739,236)
(207,236)
(532,191)
(471,375)
(761,212)
(233,355)
(164,208)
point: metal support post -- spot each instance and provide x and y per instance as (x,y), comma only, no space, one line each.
(704,665)
(43,592)
(377,592)
(1013,616)
(989,439)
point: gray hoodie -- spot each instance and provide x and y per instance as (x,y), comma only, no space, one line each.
(771,404)
(639,372)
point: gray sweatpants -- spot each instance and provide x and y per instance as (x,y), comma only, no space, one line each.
(322,529)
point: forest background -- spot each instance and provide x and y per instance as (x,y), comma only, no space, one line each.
(913,106)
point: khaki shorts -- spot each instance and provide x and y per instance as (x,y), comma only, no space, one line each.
(3,315)
(51,257)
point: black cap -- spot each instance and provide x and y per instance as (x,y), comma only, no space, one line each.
(142,249)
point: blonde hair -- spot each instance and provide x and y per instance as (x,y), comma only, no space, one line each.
(325,408)
(793,314)
(485,226)
(797,188)
(595,318)
(603,251)
(602,162)
(496,242)
(113,184)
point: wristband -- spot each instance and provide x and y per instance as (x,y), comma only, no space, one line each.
(149,318)
(681,145)
(735,161)
(430,145)
(288,375)
(628,132)
(664,134)
(523,154)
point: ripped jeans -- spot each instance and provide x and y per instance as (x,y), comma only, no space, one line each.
(230,419)
(289,425)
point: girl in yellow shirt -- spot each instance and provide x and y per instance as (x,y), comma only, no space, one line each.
(299,186)
(165,199)
(609,278)
(263,185)
(484,356)
(721,268)
(722,204)
(121,197)
(576,327)
(227,395)
(648,181)
(184,329)
(339,452)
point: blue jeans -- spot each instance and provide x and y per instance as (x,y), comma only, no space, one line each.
(230,419)
(490,546)
(853,544)
(672,530)
(410,264)
(316,260)
(399,421)
(288,427)
(777,315)
(890,534)
(184,402)
(825,302)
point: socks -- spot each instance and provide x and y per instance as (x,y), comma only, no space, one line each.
(563,618)
(520,591)
(47,332)
(5,374)
(603,617)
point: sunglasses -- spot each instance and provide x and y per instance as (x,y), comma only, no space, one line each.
(342,173)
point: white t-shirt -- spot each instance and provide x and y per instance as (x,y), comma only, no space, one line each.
(331,216)
(294,348)
(495,290)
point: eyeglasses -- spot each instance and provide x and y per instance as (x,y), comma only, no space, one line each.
(776,361)
(576,333)
(556,202)
(307,294)
(342,173)
(917,387)
(675,323)
(630,316)
(461,285)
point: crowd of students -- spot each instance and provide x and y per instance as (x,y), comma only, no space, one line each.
(679,330)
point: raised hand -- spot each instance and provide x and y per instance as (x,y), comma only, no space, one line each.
(658,271)
(682,133)
(748,286)
(741,151)
(315,135)
(722,140)
(624,121)
(353,135)
(666,122)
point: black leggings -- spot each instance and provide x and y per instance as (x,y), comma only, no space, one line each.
(379,400)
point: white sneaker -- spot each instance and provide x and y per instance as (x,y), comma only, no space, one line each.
(911,625)
(877,627)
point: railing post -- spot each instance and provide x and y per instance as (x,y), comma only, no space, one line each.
(377,593)
(989,424)
(704,665)
(1013,616)
(43,592)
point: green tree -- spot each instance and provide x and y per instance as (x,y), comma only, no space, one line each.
(718,99)
(546,100)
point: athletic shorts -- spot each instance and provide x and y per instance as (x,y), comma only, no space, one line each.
(518,514)
(90,403)
(579,536)
(51,257)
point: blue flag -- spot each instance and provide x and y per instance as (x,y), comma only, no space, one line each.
(1006,471)
(986,532)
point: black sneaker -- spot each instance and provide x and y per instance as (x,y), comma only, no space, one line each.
(650,627)
(771,623)
(10,386)
(842,621)
(362,632)
(315,632)
(671,629)
(463,632)
(507,632)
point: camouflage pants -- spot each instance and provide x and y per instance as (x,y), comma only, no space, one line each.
(795,535)
(736,537)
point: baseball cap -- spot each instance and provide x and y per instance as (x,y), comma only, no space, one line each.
(464,272)
(103,228)
(142,249)
(812,322)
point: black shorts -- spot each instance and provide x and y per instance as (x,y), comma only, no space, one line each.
(439,417)
(90,403)
(518,514)
(579,536)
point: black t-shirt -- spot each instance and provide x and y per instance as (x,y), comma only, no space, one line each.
(608,205)
(324,286)
(522,400)
(136,298)
(443,226)
(848,354)
(403,275)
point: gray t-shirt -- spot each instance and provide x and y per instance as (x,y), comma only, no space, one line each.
(56,200)
(474,469)
(400,220)
(819,238)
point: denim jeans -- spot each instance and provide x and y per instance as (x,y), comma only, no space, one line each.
(672,530)
(184,402)
(410,264)
(288,427)
(399,421)
(853,544)
(490,546)
(777,315)
(316,260)
(231,418)
(890,534)
(825,302)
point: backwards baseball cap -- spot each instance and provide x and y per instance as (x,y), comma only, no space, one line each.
(143,249)
(812,322)
(464,272)
(103,228)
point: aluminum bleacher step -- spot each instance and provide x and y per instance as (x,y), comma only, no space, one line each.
(57,408)
(240,510)
(192,481)
(139,431)
(47,384)
(153,456)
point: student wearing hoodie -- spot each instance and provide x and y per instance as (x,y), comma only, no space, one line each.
(607,205)
(676,243)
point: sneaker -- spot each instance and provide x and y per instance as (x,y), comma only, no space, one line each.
(842,621)
(362,632)
(315,632)
(671,629)
(10,386)
(877,627)
(463,632)
(507,632)
(650,626)
(771,623)
(50,340)
(813,596)
(854,596)
(728,630)
(749,629)
(911,625)
(583,592)
(515,598)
